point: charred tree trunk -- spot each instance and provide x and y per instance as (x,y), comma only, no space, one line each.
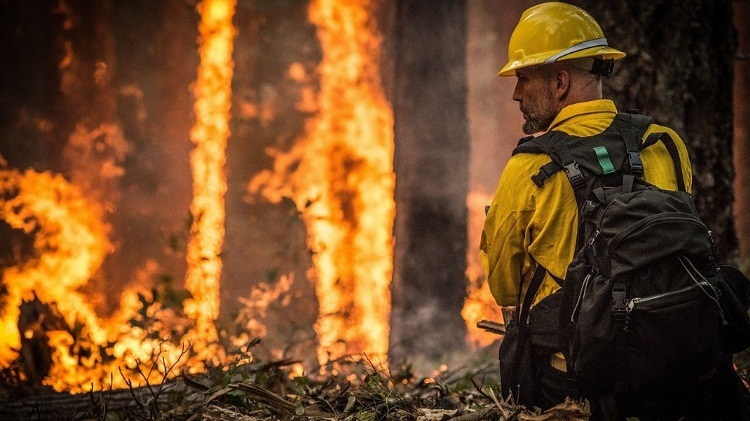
(431,165)
(35,320)
(155,63)
(742,129)
(679,71)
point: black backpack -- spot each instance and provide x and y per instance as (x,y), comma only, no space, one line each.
(644,307)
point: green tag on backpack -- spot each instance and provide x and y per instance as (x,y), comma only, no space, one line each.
(603,156)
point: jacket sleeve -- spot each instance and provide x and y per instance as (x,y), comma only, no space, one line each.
(526,224)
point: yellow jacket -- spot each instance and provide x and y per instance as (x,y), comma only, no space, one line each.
(526,224)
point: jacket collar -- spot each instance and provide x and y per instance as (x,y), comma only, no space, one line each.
(575,113)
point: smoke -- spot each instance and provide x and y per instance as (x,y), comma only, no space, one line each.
(102,95)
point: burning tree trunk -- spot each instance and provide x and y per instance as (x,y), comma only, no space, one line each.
(153,72)
(36,319)
(431,165)
(679,70)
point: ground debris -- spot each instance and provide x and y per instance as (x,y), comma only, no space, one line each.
(570,410)
(355,390)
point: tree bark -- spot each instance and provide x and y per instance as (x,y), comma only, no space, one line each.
(32,50)
(155,63)
(742,129)
(679,71)
(431,166)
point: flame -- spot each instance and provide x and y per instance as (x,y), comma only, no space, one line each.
(255,308)
(341,176)
(479,303)
(210,134)
(71,243)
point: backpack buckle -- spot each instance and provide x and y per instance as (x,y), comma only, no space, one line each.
(619,301)
(574,175)
(636,165)
(588,207)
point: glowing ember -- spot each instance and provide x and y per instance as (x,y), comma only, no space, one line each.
(210,134)
(341,175)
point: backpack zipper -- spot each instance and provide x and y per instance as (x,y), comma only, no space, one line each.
(633,302)
(638,300)
(644,223)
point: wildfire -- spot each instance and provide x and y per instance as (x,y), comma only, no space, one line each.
(341,176)
(210,134)
(71,241)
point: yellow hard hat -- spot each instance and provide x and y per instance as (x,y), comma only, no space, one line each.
(554,31)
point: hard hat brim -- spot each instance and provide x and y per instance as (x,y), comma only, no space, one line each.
(603,52)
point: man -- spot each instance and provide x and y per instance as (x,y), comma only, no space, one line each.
(559,55)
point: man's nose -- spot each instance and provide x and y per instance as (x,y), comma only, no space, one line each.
(517,93)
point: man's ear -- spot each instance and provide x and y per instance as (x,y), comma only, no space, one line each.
(561,84)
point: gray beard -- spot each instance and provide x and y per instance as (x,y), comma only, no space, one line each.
(540,118)
(536,125)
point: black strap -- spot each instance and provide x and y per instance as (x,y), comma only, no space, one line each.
(674,153)
(632,131)
(554,145)
(544,144)
(620,322)
(536,282)
(545,172)
(522,315)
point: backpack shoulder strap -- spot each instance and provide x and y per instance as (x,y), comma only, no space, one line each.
(554,145)
(674,153)
(524,307)
(639,125)
(632,127)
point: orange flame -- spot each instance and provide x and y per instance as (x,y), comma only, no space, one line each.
(71,243)
(479,304)
(210,134)
(341,175)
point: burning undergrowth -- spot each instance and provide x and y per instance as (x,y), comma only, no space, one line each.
(232,384)
(348,389)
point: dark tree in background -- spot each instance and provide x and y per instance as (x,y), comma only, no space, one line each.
(741,11)
(679,71)
(431,166)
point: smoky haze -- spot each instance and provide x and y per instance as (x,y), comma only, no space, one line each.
(101,93)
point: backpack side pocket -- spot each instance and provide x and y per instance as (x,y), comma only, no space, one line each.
(735,290)
(671,337)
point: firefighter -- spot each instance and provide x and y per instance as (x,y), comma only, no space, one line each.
(559,55)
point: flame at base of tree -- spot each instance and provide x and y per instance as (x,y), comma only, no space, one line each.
(70,243)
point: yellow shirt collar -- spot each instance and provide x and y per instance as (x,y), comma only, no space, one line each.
(574,113)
